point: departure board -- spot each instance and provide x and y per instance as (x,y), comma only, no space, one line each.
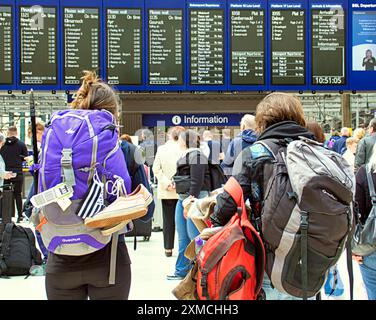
(124,46)
(247,47)
(38,51)
(288,47)
(6,45)
(328,47)
(166,47)
(81,43)
(207,47)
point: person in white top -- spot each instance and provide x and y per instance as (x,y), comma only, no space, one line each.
(349,155)
(164,168)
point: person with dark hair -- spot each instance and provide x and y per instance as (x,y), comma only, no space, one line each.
(279,116)
(4,175)
(317,131)
(369,62)
(365,146)
(192,180)
(14,153)
(164,168)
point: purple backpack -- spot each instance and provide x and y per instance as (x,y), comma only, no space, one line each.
(76,146)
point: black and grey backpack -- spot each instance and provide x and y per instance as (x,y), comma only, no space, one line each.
(307,214)
(18,252)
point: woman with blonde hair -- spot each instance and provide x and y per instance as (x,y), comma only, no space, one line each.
(359,134)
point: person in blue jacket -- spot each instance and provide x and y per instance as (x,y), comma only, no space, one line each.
(244,139)
(339,145)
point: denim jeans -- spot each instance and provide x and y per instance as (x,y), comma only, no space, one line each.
(368,270)
(187,231)
(274,294)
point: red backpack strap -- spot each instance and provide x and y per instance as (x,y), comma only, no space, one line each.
(233,188)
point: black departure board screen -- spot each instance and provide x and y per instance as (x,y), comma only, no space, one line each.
(81,42)
(328,47)
(6,45)
(124,46)
(207,47)
(38,51)
(166,47)
(288,47)
(247,47)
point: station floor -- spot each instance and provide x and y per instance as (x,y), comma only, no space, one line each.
(149,270)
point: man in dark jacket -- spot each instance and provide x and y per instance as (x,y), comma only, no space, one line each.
(244,139)
(14,152)
(365,146)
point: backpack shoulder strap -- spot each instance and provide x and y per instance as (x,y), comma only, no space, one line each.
(5,244)
(371,185)
(34,253)
(7,236)
(233,188)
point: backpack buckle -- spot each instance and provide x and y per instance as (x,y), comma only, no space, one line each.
(66,159)
(304,220)
(67,167)
(258,223)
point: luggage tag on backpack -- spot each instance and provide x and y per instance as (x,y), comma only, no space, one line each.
(61,194)
(64,203)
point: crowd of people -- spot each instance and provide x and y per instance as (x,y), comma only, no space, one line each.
(181,167)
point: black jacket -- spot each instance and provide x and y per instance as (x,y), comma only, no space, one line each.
(362,196)
(195,165)
(13,152)
(250,175)
(137,172)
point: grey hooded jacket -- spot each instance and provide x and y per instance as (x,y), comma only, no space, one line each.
(364,151)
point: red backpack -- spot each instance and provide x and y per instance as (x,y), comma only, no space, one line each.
(231,264)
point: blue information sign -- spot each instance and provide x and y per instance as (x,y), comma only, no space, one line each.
(192,120)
